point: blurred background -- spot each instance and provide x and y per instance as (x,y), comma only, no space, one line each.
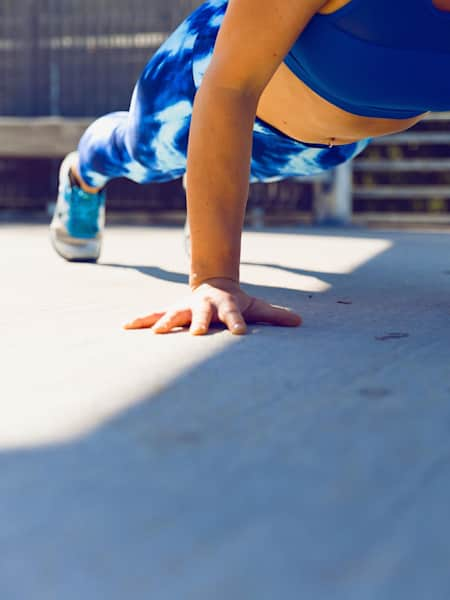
(65,62)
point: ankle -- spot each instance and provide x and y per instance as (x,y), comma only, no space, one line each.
(75,174)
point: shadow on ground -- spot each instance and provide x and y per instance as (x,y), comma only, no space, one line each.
(294,463)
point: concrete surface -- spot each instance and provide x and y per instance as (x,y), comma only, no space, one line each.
(310,463)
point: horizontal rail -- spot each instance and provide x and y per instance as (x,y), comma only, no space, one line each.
(403,218)
(405,191)
(438,116)
(424,165)
(324,177)
(419,138)
(49,137)
(46,137)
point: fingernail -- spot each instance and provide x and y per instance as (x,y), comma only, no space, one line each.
(160,330)
(238,328)
(199,329)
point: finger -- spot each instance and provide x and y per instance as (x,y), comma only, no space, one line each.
(145,322)
(263,312)
(201,319)
(233,319)
(170,320)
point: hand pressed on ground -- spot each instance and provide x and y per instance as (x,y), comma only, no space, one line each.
(218,300)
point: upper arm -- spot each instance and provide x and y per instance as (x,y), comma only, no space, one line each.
(254,38)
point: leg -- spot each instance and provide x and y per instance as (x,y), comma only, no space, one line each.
(147,143)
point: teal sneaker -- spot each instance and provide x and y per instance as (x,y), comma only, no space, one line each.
(77,226)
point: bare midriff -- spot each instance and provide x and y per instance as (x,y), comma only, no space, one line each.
(295,109)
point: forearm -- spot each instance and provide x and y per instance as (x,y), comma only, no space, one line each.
(218,169)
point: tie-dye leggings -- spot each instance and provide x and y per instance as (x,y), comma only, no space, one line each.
(149,142)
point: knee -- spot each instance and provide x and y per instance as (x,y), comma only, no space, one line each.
(159,144)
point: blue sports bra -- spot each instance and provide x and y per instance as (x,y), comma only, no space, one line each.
(378,58)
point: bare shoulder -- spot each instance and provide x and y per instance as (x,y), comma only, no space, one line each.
(332,6)
(254,38)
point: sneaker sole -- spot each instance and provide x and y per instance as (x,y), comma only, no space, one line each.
(89,253)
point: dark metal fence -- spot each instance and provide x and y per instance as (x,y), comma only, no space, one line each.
(78,57)
(81,58)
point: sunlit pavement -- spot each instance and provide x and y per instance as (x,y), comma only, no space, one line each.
(291,463)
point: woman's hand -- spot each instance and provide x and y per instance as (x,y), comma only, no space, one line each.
(217,300)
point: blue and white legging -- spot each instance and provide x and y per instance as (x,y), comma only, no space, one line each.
(149,142)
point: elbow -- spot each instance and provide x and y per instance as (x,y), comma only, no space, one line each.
(245,89)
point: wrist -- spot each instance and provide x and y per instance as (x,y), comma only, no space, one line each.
(196,280)
(216,261)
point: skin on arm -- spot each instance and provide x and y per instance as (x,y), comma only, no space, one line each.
(220,139)
(219,154)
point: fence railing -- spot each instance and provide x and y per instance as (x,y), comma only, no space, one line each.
(338,204)
(334,193)
(77,59)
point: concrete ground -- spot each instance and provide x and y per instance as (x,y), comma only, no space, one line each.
(309,463)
